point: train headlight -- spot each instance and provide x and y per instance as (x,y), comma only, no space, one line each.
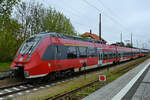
(49,64)
(26,74)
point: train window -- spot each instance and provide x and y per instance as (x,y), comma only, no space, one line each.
(71,52)
(49,54)
(119,55)
(114,54)
(58,51)
(105,56)
(61,52)
(124,54)
(128,53)
(111,55)
(92,52)
(108,55)
(29,45)
(54,52)
(82,52)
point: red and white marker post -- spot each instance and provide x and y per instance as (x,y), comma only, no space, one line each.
(102,77)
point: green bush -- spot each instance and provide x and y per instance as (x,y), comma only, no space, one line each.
(28,19)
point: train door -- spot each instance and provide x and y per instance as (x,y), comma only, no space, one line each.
(100,55)
(117,55)
(60,56)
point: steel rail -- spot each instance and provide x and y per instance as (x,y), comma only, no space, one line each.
(66,94)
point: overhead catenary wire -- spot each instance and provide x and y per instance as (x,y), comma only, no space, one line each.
(92,5)
(71,8)
(75,15)
(104,13)
(109,9)
(80,24)
(77,12)
(112,13)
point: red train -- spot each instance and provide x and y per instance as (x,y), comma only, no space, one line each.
(53,54)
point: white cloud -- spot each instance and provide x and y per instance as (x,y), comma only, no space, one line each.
(118,16)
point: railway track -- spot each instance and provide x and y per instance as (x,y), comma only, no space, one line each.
(4,71)
(69,95)
(19,89)
(66,96)
(12,89)
(5,74)
(26,87)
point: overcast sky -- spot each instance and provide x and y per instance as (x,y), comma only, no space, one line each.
(118,16)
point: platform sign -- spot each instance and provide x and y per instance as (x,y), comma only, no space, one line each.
(102,77)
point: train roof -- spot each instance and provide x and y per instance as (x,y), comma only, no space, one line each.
(53,34)
(64,36)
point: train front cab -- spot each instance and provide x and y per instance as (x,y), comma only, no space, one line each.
(27,63)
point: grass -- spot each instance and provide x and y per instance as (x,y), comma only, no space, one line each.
(82,82)
(4,65)
(112,74)
(9,99)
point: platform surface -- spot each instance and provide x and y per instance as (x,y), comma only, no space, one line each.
(134,85)
(143,90)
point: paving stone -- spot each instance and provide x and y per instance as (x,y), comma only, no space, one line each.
(110,90)
(140,90)
(136,98)
(147,78)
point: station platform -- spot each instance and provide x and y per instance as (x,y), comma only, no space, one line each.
(134,85)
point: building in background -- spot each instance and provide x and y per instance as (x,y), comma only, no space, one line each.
(93,36)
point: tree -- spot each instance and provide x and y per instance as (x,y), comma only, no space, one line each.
(129,45)
(8,40)
(30,18)
(8,29)
(119,44)
(6,7)
(34,18)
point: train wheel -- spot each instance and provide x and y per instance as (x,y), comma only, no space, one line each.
(114,62)
(72,72)
(50,77)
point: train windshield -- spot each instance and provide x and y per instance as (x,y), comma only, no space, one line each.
(29,45)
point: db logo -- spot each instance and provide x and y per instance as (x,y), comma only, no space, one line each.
(21,59)
(102,77)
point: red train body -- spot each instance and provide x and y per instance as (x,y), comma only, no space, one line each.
(47,53)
